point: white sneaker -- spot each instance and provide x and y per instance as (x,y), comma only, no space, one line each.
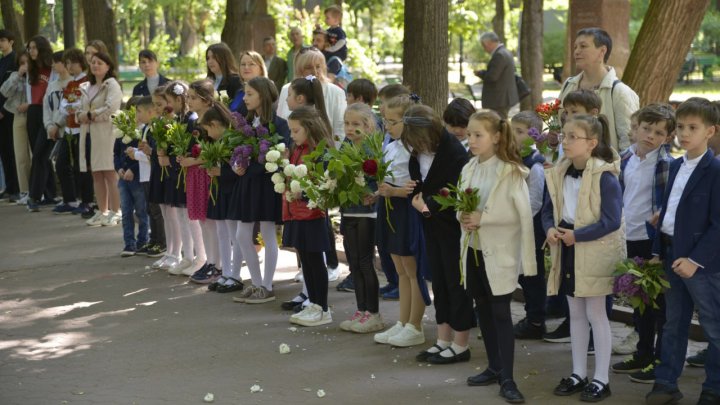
(355,318)
(169,263)
(409,336)
(96,219)
(306,309)
(112,219)
(383,337)
(23,199)
(179,267)
(368,323)
(159,263)
(333,274)
(298,277)
(315,317)
(627,345)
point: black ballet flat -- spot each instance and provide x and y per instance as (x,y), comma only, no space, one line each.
(438,358)
(487,377)
(593,393)
(510,392)
(425,354)
(568,386)
(237,285)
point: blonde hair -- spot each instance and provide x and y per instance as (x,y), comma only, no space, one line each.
(311,56)
(365,113)
(257,59)
(403,102)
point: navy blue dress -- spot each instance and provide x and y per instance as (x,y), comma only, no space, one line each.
(157,187)
(220,208)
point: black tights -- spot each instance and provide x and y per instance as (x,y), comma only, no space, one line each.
(316,277)
(358,239)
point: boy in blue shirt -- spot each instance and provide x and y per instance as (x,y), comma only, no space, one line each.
(687,243)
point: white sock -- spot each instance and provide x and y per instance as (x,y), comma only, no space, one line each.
(224,246)
(267,230)
(458,349)
(237,252)
(244,238)
(442,343)
(174,233)
(198,242)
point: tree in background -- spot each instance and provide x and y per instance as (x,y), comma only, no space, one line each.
(31,18)
(425,50)
(10,22)
(100,24)
(664,39)
(531,52)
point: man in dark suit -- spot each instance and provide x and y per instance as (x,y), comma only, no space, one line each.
(8,64)
(276,67)
(499,90)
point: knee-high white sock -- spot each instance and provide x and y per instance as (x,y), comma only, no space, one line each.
(185,233)
(168,231)
(237,252)
(174,231)
(579,334)
(224,247)
(602,336)
(304,290)
(210,240)
(244,239)
(267,230)
(198,243)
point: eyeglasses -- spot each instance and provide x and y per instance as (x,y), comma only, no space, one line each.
(390,123)
(570,138)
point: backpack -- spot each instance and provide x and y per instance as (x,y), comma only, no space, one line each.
(342,77)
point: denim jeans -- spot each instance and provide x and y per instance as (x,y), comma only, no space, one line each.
(2,177)
(702,290)
(132,201)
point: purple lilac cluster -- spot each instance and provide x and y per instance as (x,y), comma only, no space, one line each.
(625,285)
(238,121)
(263,148)
(241,156)
(536,135)
(261,131)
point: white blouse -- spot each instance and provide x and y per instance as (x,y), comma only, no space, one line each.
(399,159)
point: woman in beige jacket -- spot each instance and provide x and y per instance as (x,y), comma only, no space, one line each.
(101,97)
(501,243)
(583,222)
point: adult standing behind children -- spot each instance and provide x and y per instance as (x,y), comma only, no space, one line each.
(8,64)
(147,60)
(499,91)
(101,97)
(296,40)
(276,66)
(619,101)
(223,69)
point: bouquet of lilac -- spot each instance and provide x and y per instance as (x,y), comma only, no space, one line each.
(639,282)
(251,143)
(241,156)
(540,140)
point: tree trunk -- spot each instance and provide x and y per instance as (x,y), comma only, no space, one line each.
(531,52)
(425,51)
(237,31)
(664,40)
(152,31)
(100,24)
(188,35)
(11,23)
(68,24)
(32,18)
(498,21)
(79,32)
(171,26)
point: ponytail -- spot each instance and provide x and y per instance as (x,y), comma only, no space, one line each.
(311,88)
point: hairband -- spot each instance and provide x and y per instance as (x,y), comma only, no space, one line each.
(417,121)
(178,89)
(414,97)
(310,78)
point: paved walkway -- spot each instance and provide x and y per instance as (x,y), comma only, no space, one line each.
(80,325)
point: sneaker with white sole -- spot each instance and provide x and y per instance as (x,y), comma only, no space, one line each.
(627,345)
(409,336)
(195,266)
(261,295)
(96,220)
(112,219)
(158,263)
(384,337)
(368,323)
(299,277)
(306,311)
(169,263)
(315,317)
(180,267)
(333,273)
(244,294)
(346,325)
(23,199)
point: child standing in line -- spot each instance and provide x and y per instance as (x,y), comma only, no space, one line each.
(358,229)
(194,256)
(689,227)
(215,121)
(456,116)
(306,228)
(644,173)
(200,100)
(257,198)
(533,287)
(400,232)
(436,160)
(582,218)
(132,196)
(503,222)
(144,113)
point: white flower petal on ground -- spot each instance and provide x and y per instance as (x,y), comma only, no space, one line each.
(284,348)
(320,393)
(209,397)
(255,389)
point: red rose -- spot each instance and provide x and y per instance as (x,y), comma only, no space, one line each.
(168,109)
(370,167)
(195,151)
(444,192)
(195,133)
(469,191)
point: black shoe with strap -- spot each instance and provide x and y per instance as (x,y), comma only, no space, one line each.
(509,391)
(438,358)
(425,354)
(571,385)
(596,391)
(487,377)
(236,285)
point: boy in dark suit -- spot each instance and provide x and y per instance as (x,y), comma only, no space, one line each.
(687,243)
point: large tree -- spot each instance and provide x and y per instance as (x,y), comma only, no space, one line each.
(32,18)
(663,42)
(11,23)
(498,21)
(100,24)
(531,51)
(425,50)
(246,24)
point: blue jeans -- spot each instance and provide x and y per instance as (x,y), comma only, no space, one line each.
(702,290)
(132,200)
(2,177)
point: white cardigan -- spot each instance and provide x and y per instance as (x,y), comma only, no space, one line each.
(335,105)
(506,228)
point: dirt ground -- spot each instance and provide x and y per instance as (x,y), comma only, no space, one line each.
(81,325)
